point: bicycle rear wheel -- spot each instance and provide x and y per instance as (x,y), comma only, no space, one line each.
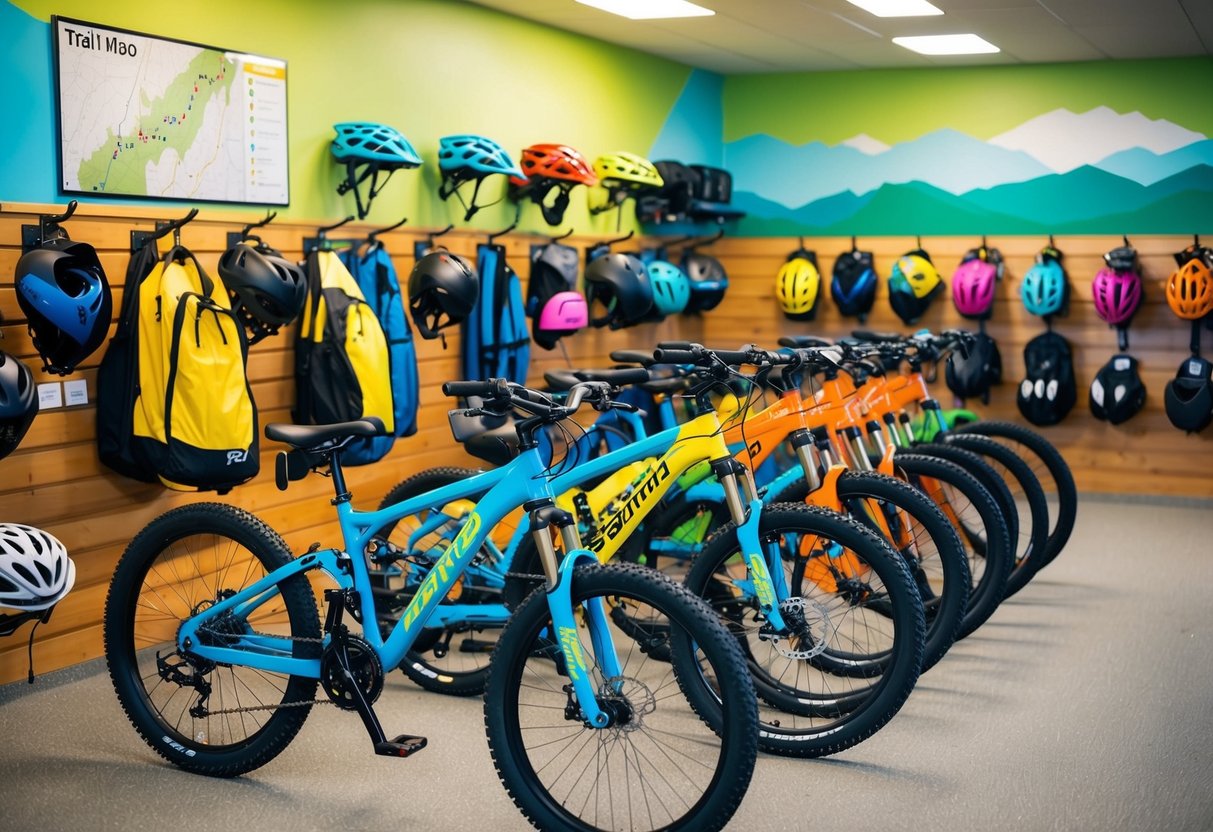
(215,719)
(858,632)
(679,754)
(451,660)
(1050,468)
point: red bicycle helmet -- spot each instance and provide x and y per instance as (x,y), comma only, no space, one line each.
(551,167)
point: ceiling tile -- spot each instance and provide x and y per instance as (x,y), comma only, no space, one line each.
(1137,42)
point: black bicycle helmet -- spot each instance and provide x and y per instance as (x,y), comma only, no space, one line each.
(63,292)
(973,375)
(709,281)
(270,289)
(441,284)
(18,402)
(619,283)
(1189,396)
(1117,392)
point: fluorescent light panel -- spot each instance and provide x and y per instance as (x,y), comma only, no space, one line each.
(967,44)
(649,9)
(897,8)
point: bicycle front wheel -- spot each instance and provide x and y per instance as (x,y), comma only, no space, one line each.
(664,763)
(216,719)
(856,635)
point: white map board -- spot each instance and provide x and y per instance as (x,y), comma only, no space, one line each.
(154,117)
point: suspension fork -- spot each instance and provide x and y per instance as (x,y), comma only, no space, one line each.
(559,578)
(745,507)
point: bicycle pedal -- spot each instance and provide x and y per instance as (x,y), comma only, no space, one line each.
(404,745)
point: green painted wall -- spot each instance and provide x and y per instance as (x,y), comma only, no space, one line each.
(897,105)
(427,67)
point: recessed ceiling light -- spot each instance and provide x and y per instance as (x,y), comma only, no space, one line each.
(897,8)
(968,44)
(649,9)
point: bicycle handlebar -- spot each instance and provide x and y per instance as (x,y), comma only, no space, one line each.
(493,388)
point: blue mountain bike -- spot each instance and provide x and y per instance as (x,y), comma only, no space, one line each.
(216,650)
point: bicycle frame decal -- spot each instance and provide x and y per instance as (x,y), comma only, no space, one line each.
(639,501)
(445,569)
(570,645)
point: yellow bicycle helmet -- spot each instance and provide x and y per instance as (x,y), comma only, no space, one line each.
(919,273)
(626,170)
(798,286)
(913,284)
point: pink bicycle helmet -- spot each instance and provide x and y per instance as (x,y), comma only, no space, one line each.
(565,312)
(973,288)
(1117,295)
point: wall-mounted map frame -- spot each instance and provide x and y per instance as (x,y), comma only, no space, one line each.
(153,117)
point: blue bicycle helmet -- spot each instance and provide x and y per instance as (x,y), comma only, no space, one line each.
(18,402)
(63,292)
(671,288)
(1045,289)
(853,286)
(373,148)
(469,158)
(709,281)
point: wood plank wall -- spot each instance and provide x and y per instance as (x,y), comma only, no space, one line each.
(56,482)
(1146,455)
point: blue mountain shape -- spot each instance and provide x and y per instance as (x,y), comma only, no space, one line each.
(946,159)
(1146,167)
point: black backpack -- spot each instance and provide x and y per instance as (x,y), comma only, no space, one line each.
(1048,392)
(1117,392)
(974,375)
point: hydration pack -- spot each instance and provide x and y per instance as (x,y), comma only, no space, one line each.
(1048,392)
(372,269)
(1117,392)
(495,339)
(342,368)
(176,386)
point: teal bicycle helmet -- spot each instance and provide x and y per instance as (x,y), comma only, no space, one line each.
(368,149)
(671,288)
(469,158)
(1045,289)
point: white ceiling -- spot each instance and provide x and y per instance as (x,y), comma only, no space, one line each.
(801,35)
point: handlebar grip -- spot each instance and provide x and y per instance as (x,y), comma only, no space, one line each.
(673,356)
(463,389)
(616,378)
(878,337)
(735,358)
(632,357)
(803,341)
(676,345)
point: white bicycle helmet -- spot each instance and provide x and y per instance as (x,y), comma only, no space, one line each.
(35,571)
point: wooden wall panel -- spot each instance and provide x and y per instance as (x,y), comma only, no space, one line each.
(1144,455)
(56,481)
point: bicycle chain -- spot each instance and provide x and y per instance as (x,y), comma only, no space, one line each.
(250,708)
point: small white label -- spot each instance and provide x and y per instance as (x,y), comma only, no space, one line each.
(1122,364)
(1194,369)
(76,392)
(50,394)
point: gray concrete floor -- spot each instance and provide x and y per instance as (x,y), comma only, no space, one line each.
(1086,703)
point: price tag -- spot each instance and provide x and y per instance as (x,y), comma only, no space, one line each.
(76,392)
(50,394)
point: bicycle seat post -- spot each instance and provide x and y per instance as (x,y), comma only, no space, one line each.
(342,493)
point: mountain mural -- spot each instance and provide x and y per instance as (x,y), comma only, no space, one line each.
(1094,172)
(1085,200)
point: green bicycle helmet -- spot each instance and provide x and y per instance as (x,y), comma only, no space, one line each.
(368,149)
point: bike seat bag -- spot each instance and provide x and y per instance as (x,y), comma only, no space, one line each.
(1048,391)
(1117,392)
(974,375)
(1189,396)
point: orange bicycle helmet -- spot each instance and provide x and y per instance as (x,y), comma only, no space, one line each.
(1190,290)
(548,168)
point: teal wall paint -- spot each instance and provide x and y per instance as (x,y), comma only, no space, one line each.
(692,132)
(427,67)
(1107,147)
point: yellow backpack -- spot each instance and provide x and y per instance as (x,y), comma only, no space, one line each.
(194,417)
(342,371)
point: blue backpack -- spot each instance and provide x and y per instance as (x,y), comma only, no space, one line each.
(372,268)
(496,343)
